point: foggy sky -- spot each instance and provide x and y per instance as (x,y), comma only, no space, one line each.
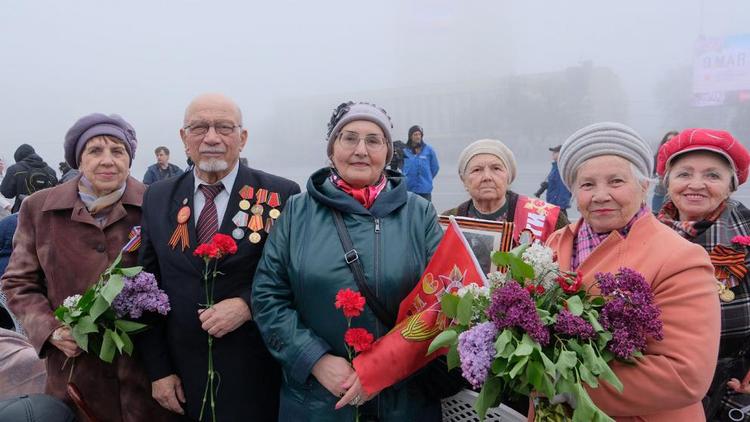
(145,60)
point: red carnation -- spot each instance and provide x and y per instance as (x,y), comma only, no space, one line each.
(570,285)
(225,244)
(359,338)
(206,251)
(741,240)
(351,302)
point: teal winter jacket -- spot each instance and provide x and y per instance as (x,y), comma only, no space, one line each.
(302,269)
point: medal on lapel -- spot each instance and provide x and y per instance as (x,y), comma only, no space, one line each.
(181,232)
(260,199)
(269,225)
(725,293)
(240,220)
(256,225)
(274,202)
(246,193)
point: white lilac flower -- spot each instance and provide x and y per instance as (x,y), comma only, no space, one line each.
(71,301)
(541,258)
(497,278)
(475,290)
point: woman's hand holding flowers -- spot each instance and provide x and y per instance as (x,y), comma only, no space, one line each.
(63,340)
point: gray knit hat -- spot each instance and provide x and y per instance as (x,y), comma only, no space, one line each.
(351,111)
(488,146)
(606,138)
(98,124)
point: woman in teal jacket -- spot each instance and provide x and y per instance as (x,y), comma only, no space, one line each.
(303,267)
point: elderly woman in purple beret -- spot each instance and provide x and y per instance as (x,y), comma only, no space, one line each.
(66,237)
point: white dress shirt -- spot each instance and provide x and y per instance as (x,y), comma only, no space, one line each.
(221,200)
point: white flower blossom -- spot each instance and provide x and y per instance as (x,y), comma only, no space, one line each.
(71,301)
(475,290)
(540,257)
(497,278)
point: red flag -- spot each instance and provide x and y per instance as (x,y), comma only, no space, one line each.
(403,350)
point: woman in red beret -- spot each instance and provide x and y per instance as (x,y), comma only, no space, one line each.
(701,168)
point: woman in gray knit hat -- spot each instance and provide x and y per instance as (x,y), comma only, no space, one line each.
(487,168)
(66,237)
(393,234)
(606,167)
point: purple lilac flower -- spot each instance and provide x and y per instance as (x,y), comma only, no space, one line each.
(574,326)
(512,306)
(140,294)
(476,348)
(630,313)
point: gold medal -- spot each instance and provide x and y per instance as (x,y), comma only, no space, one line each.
(244,205)
(274,213)
(726,296)
(183,215)
(257,209)
(254,237)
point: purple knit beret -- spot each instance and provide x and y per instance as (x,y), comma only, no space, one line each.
(97,124)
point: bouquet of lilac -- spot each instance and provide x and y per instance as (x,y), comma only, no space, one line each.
(535,328)
(100,318)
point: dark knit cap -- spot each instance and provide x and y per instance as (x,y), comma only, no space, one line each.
(98,124)
(22,152)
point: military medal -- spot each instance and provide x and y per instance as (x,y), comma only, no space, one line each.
(274,202)
(246,193)
(725,294)
(260,199)
(269,224)
(240,220)
(256,225)
(180,232)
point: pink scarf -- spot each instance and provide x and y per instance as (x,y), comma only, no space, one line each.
(366,195)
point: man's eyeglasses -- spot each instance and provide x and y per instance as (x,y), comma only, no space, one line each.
(350,140)
(201,128)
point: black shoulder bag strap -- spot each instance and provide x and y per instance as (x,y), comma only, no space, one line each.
(352,258)
(435,380)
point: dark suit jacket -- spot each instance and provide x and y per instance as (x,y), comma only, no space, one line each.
(249,376)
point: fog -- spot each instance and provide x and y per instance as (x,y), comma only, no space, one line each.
(528,73)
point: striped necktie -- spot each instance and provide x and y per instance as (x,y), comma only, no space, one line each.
(208,222)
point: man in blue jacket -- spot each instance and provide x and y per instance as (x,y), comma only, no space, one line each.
(557,193)
(420,164)
(163,169)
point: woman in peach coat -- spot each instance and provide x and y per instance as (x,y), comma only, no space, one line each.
(605,166)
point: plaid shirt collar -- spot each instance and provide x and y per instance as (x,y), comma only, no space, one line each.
(587,239)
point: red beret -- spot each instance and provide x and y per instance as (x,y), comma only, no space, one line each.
(718,141)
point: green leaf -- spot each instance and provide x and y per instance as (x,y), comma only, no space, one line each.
(574,345)
(85,302)
(129,326)
(130,271)
(444,339)
(452,357)
(107,352)
(590,358)
(518,367)
(549,366)
(449,305)
(521,270)
(523,349)
(82,340)
(575,306)
(608,375)
(112,288)
(586,410)
(566,360)
(499,366)
(503,340)
(99,307)
(127,343)
(117,340)
(114,264)
(488,396)
(87,325)
(535,373)
(587,376)
(465,310)
(60,312)
(597,301)
(593,319)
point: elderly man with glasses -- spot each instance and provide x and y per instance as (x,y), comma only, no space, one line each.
(217,196)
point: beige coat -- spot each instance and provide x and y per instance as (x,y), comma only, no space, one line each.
(59,250)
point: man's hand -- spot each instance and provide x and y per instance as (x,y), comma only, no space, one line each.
(63,340)
(168,392)
(332,372)
(224,317)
